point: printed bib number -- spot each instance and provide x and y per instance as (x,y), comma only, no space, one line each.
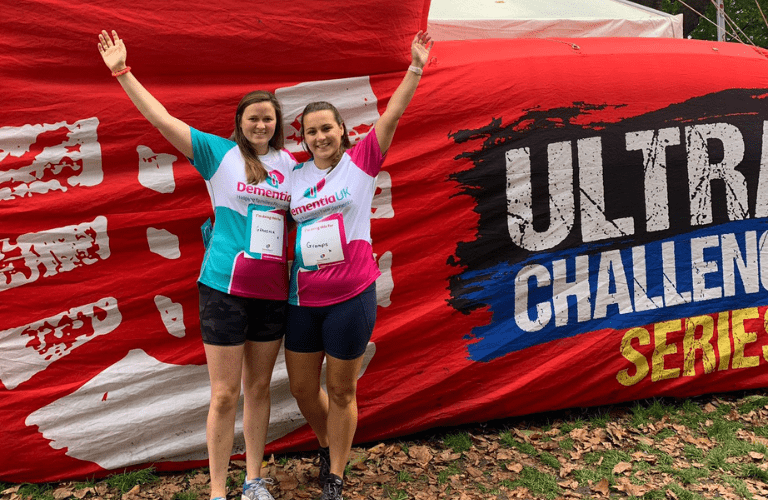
(321,243)
(264,239)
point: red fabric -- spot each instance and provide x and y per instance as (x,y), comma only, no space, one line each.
(83,294)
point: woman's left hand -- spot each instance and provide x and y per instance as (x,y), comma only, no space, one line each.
(420,48)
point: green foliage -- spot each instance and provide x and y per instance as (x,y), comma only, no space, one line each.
(567,444)
(567,427)
(754,472)
(538,483)
(459,442)
(600,419)
(185,495)
(693,453)
(584,476)
(655,495)
(739,486)
(508,440)
(43,491)
(643,414)
(549,459)
(404,477)
(451,470)
(664,434)
(753,403)
(745,14)
(689,414)
(690,475)
(127,480)
(683,494)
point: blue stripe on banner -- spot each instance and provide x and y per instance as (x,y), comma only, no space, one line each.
(561,294)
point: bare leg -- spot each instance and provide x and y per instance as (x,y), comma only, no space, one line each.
(224,367)
(341,381)
(304,376)
(258,363)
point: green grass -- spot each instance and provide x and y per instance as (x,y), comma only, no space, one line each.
(655,495)
(693,453)
(644,413)
(404,477)
(126,481)
(459,442)
(538,483)
(42,491)
(739,486)
(753,403)
(549,459)
(451,470)
(691,475)
(683,494)
(185,495)
(600,419)
(508,440)
(664,434)
(567,444)
(689,414)
(752,471)
(395,494)
(567,427)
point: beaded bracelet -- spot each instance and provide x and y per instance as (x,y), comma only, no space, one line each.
(122,71)
(415,69)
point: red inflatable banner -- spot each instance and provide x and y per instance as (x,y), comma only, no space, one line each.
(559,223)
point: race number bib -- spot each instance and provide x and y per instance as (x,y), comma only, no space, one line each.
(321,243)
(265,233)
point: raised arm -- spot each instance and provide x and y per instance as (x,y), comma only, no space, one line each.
(386,125)
(177,132)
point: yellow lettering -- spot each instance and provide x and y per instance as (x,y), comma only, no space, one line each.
(633,356)
(765,324)
(691,344)
(723,341)
(660,331)
(741,338)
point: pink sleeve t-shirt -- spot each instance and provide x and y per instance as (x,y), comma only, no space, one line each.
(334,257)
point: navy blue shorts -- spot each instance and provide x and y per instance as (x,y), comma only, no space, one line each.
(231,320)
(341,330)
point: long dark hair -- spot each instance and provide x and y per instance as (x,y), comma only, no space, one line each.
(323,106)
(254,170)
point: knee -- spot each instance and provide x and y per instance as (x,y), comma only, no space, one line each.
(225,400)
(302,392)
(342,395)
(259,389)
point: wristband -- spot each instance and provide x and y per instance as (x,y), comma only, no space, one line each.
(415,69)
(122,71)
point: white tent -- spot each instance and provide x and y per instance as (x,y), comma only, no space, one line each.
(472,19)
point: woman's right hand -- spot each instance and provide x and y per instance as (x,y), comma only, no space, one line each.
(112,50)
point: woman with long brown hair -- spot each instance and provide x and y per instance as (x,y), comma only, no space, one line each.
(243,281)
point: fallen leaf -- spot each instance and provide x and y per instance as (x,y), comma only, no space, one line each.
(602,487)
(622,467)
(514,467)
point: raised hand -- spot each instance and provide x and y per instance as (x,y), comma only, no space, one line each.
(112,50)
(420,48)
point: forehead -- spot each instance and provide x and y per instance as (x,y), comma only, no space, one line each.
(316,119)
(259,108)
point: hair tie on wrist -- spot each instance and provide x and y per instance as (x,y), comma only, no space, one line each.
(122,71)
(415,69)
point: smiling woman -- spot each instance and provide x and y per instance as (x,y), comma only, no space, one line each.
(333,291)
(243,281)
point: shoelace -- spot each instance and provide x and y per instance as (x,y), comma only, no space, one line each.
(332,490)
(259,489)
